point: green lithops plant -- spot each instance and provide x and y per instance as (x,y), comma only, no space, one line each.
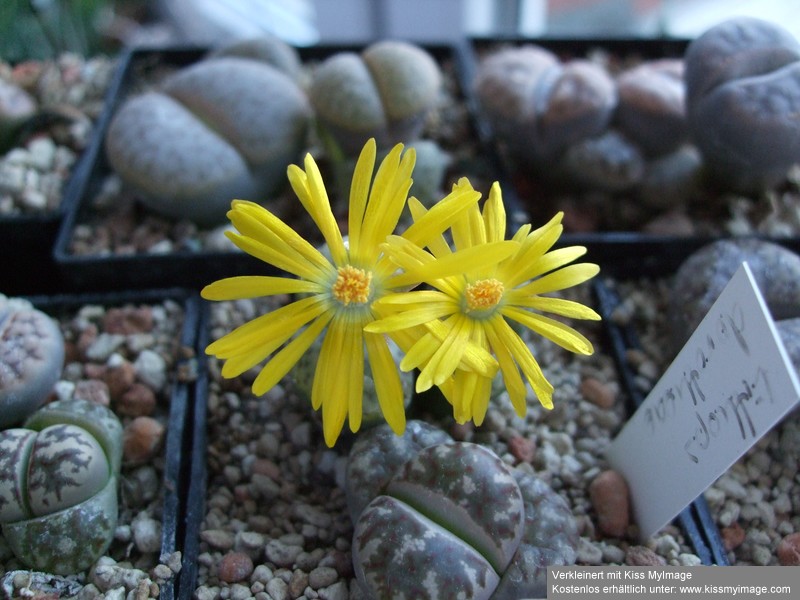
(225,127)
(439,518)
(58,485)
(385,92)
(31,359)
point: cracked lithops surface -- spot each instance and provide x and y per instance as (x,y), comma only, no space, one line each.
(31,359)
(452,519)
(58,489)
(377,455)
(550,539)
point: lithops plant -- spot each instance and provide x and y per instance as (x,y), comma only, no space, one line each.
(743,97)
(701,278)
(225,127)
(58,485)
(538,105)
(385,92)
(436,518)
(31,359)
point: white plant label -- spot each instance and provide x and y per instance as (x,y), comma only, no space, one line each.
(728,386)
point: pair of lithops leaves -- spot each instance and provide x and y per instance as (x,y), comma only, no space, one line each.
(228,126)
(58,485)
(435,518)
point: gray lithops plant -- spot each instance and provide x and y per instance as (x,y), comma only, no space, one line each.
(225,127)
(538,106)
(701,278)
(652,105)
(439,518)
(31,359)
(58,485)
(743,96)
(386,92)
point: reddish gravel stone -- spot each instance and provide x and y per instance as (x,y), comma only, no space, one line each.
(641,556)
(522,448)
(789,550)
(234,567)
(732,536)
(609,495)
(597,392)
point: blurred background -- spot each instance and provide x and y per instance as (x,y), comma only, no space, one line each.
(41,28)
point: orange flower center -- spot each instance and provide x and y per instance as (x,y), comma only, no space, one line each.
(484,294)
(352,285)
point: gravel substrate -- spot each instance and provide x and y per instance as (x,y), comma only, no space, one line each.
(69,93)
(277,525)
(125,357)
(756,503)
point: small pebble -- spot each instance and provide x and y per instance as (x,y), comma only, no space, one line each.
(611,500)
(322,577)
(142,439)
(732,536)
(641,556)
(598,392)
(235,566)
(789,550)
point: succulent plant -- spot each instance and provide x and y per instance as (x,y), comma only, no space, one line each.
(267,49)
(58,485)
(701,278)
(743,95)
(385,92)
(439,518)
(538,105)
(31,359)
(651,110)
(225,127)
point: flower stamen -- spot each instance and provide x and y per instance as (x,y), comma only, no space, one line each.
(484,294)
(352,285)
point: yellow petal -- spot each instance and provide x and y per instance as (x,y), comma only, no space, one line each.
(354,369)
(422,312)
(442,215)
(359,192)
(280,323)
(388,386)
(511,378)
(284,360)
(564,278)
(556,306)
(387,199)
(277,258)
(437,244)
(289,239)
(549,262)
(494,215)
(335,370)
(458,263)
(480,398)
(507,337)
(311,192)
(448,356)
(560,333)
(235,288)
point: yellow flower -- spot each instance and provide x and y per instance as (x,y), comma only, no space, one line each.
(337,293)
(472,301)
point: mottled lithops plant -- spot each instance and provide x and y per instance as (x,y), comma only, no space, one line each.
(743,98)
(225,127)
(450,519)
(31,359)
(701,278)
(538,105)
(58,485)
(385,92)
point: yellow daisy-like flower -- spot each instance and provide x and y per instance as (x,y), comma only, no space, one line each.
(337,293)
(473,302)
